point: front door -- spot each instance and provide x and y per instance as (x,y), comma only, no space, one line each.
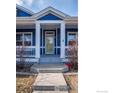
(49,42)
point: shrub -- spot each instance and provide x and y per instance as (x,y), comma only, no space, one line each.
(72,54)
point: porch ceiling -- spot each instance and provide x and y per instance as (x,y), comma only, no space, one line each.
(32,26)
(45,26)
(71,26)
(25,26)
(50,26)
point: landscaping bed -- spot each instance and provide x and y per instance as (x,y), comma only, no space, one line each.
(23,67)
(72,81)
(24,83)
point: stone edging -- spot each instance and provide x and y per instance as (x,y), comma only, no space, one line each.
(70,73)
(24,73)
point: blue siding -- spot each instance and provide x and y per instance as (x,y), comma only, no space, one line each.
(58,51)
(50,17)
(41,37)
(58,37)
(21,13)
(41,51)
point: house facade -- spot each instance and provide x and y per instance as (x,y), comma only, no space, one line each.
(44,34)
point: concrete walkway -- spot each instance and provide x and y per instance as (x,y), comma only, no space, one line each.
(50,83)
(50,92)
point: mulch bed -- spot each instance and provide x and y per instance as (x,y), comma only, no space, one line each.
(72,81)
(25,68)
(24,83)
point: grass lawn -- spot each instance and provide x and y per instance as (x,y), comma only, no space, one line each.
(24,84)
(72,81)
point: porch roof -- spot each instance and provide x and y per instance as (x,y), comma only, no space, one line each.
(42,13)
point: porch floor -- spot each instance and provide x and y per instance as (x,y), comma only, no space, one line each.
(50,59)
(49,68)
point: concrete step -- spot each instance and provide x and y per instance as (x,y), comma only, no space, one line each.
(50,82)
(50,91)
(49,68)
(50,60)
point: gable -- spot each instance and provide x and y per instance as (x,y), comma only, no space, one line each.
(49,17)
(20,13)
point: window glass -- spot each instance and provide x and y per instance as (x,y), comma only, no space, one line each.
(19,43)
(19,37)
(23,39)
(72,38)
(27,37)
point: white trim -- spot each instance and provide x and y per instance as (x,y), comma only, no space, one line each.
(56,40)
(47,10)
(49,22)
(62,27)
(24,9)
(62,55)
(28,59)
(65,17)
(37,36)
(26,56)
(70,33)
(42,39)
(55,47)
(23,33)
(53,34)
(25,46)
(42,47)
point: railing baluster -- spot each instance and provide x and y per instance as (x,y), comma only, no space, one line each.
(28,51)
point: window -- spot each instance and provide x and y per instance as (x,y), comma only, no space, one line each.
(27,39)
(24,39)
(72,38)
(19,39)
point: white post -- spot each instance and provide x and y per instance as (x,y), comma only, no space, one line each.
(37,51)
(42,40)
(62,55)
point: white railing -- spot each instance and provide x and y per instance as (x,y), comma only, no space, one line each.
(25,51)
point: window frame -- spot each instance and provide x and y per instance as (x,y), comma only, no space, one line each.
(23,34)
(76,33)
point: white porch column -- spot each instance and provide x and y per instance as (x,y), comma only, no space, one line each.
(62,30)
(37,36)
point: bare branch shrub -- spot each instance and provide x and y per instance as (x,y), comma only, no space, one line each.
(73,55)
(20,54)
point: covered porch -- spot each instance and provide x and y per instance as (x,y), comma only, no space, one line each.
(44,34)
(43,38)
